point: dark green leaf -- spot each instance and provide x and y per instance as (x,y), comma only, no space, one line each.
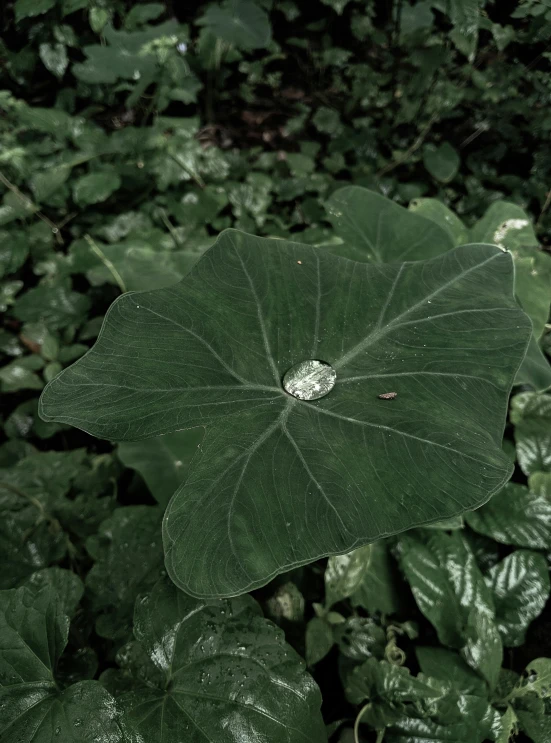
(95,187)
(163,462)
(374,228)
(517,515)
(531,415)
(360,638)
(239,22)
(57,306)
(67,586)
(520,586)
(344,574)
(438,213)
(380,586)
(216,671)
(31,8)
(55,58)
(441,162)
(33,633)
(319,640)
(451,592)
(129,559)
(194,367)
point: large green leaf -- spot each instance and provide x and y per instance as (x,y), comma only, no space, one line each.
(520,585)
(215,671)
(517,515)
(280,480)
(437,212)
(33,709)
(376,229)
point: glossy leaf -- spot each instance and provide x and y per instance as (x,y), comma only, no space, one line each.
(520,587)
(33,633)
(163,462)
(451,592)
(171,359)
(531,416)
(344,574)
(360,638)
(517,515)
(215,671)
(376,229)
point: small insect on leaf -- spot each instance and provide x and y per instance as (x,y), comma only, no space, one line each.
(388,396)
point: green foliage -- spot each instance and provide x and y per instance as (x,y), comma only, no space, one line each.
(131,135)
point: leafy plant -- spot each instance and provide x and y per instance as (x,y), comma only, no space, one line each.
(397,146)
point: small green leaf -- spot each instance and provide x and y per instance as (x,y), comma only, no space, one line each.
(517,515)
(94,188)
(98,18)
(531,415)
(376,229)
(239,22)
(56,306)
(536,679)
(441,162)
(380,586)
(438,213)
(360,638)
(163,462)
(215,671)
(129,560)
(54,57)
(520,586)
(319,640)
(31,8)
(19,374)
(67,586)
(344,574)
(49,182)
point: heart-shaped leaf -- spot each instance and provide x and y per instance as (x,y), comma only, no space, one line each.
(33,633)
(282,480)
(377,229)
(214,671)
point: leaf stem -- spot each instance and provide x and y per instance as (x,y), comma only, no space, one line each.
(94,247)
(195,176)
(21,494)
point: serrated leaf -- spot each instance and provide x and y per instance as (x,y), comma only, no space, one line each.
(441,162)
(377,229)
(163,462)
(517,515)
(169,359)
(239,22)
(360,638)
(520,587)
(439,213)
(216,671)
(94,188)
(344,574)
(33,633)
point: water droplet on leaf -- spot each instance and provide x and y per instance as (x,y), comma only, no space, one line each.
(310,380)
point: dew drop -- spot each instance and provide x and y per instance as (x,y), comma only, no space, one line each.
(310,380)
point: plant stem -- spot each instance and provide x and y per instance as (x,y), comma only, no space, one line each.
(415,146)
(106,262)
(380,735)
(21,494)
(167,223)
(358,720)
(196,177)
